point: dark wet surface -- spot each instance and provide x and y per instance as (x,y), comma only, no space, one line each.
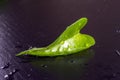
(36,23)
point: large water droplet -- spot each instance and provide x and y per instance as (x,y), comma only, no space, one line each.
(8,77)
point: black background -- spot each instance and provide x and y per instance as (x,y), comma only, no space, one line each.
(37,23)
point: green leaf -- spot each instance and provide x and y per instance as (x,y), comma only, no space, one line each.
(69,42)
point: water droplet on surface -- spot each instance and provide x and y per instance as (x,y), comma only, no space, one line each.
(6,76)
(10,75)
(43,65)
(15,70)
(5,66)
(30,47)
(117,52)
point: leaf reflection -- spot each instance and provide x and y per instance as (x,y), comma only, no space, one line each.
(69,67)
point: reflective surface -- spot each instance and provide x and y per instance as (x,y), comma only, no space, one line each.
(37,23)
